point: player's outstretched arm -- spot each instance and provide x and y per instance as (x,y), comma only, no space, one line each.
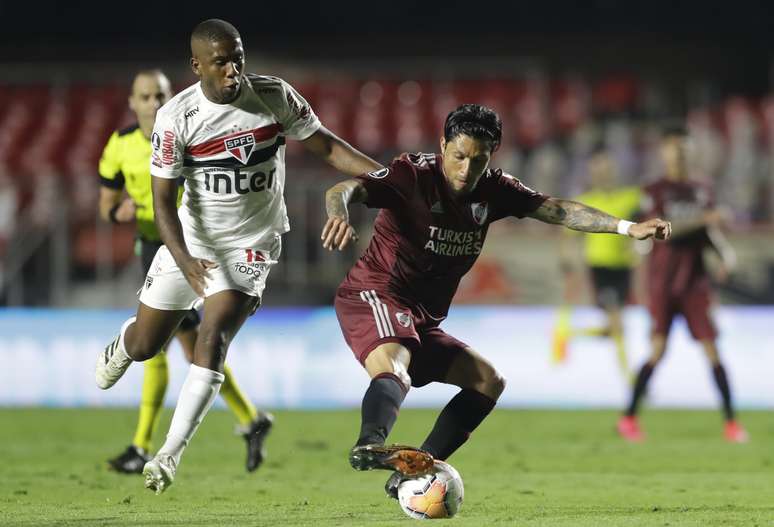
(709,219)
(339,154)
(337,231)
(579,217)
(165,211)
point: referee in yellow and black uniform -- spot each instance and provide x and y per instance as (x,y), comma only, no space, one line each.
(125,166)
(609,258)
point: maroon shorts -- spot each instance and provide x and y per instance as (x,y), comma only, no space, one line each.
(370,318)
(694,305)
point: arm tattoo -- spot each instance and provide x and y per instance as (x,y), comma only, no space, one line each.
(342,194)
(336,202)
(575,216)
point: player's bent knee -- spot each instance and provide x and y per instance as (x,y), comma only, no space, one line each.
(492,386)
(404,377)
(497,385)
(389,359)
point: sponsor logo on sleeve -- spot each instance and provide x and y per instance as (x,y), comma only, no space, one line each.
(190,113)
(240,146)
(156,153)
(379,174)
(168,148)
(302,111)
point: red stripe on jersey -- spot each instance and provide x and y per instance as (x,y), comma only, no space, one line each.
(216,146)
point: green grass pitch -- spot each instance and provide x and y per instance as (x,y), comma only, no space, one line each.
(525,468)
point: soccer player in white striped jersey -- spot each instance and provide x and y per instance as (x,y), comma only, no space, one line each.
(225,137)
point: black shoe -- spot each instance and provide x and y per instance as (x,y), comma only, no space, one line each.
(407,460)
(255,437)
(131,460)
(393,482)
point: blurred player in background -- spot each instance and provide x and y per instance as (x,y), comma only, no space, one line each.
(125,165)
(609,259)
(435,212)
(225,136)
(678,282)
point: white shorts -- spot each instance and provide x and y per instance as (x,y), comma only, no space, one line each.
(242,270)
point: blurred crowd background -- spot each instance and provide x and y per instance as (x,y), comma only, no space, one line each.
(564,76)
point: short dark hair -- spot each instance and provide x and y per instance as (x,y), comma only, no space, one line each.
(476,121)
(214,30)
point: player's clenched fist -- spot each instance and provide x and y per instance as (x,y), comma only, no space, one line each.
(337,233)
(655,228)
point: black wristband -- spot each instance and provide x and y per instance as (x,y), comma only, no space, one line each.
(112,213)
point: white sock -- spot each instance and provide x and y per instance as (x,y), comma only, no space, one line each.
(199,391)
(121,348)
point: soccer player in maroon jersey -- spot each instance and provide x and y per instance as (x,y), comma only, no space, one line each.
(678,279)
(435,212)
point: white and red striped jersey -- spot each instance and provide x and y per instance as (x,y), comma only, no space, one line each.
(232,159)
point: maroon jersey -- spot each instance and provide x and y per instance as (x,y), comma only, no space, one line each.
(678,265)
(424,240)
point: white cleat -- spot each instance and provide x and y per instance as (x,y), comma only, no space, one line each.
(159,473)
(112,362)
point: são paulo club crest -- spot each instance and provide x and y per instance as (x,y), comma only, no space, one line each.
(240,146)
(480,212)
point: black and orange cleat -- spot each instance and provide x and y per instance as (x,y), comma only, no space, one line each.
(406,460)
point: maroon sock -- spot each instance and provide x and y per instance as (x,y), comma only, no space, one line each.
(456,422)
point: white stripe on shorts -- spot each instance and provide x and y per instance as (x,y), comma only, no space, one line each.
(377,318)
(385,313)
(380,313)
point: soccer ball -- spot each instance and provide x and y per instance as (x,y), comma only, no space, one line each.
(437,494)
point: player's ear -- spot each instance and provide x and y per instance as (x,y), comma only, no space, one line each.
(443,144)
(131,103)
(195,67)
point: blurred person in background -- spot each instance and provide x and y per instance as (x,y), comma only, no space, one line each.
(435,213)
(678,281)
(608,258)
(125,166)
(225,136)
